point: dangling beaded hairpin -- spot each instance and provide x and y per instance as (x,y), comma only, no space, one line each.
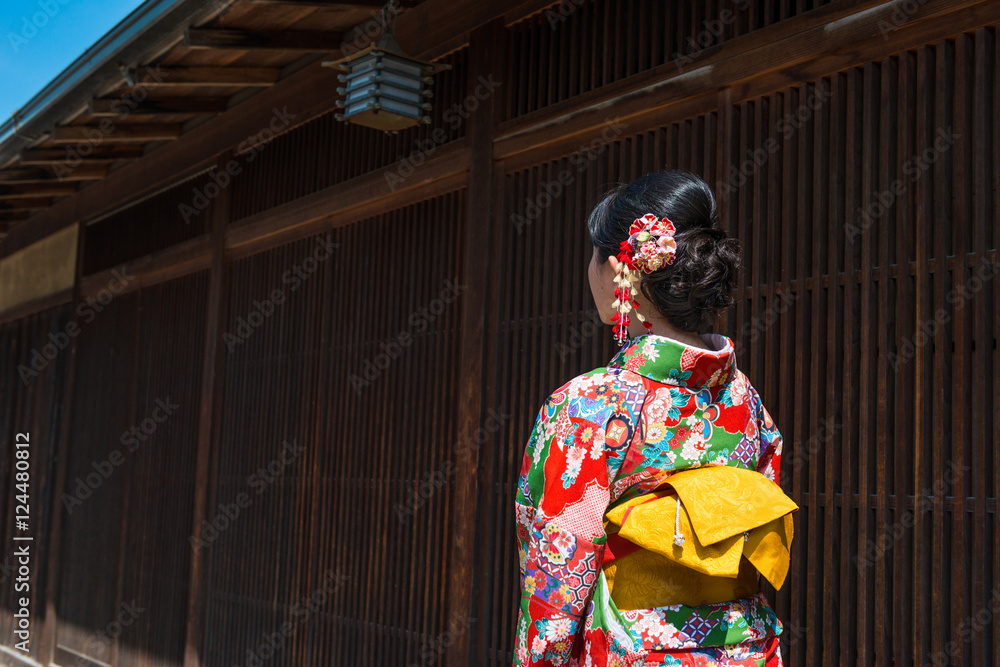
(650,246)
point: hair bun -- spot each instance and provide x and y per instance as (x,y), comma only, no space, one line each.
(700,281)
(691,291)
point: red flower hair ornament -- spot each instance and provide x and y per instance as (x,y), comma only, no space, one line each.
(650,246)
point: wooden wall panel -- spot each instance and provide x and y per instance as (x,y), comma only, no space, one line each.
(175,215)
(129,488)
(581,45)
(31,403)
(260,505)
(357,366)
(92,531)
(156,550)
(387,479)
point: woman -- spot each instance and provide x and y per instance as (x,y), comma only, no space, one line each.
(647,505)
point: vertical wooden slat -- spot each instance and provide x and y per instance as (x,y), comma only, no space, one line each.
(961,367)
(508,341)
(905,403)
(498,589)
(723,189)
(942,196)
(47,637)
(866,419)
(816,302)
(995,411)
(486,47)
(920,582)
(210,389)
(883,183)
(339,494)
(984,127)
(850,565)
(800,457)
(132,321)
(836,507)
(785,373)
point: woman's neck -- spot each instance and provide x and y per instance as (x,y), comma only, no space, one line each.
(661,327)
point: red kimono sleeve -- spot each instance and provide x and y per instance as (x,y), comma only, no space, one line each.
(561,499)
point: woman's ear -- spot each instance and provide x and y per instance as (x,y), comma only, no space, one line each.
(614,263)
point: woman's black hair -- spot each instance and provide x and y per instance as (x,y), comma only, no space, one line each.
(692,290)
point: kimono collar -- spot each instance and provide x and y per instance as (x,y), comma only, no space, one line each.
(672,362)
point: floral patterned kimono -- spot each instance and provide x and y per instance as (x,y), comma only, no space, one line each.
(647,509)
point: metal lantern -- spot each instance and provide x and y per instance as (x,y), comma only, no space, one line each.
(384,88)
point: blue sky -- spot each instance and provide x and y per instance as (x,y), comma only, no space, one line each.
(39,38)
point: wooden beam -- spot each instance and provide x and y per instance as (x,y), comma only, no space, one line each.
(155,268)
(350,201)
(216,76)
(118,108)
(82,172)
(334,4)
(486,47)
(308,41)
(25,204)
(47,638)
(99,154)
(13,216)
(71,134)
(22,175)
(208,419)
(28,190)
(20,312)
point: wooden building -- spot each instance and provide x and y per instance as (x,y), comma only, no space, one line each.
(277,371)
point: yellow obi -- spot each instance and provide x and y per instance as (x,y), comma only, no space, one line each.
(730,523)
